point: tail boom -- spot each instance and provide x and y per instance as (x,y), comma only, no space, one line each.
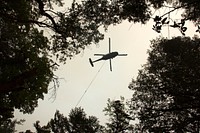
(91,62)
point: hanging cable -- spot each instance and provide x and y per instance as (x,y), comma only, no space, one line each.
(90,84)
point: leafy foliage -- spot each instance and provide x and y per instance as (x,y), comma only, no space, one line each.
(77,122)
(166,91)
(79,26)
(119,120)
(9,126)
(26,68)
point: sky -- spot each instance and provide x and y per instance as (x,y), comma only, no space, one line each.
(77,75)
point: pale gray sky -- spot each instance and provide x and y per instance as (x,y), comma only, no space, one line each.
(77,74)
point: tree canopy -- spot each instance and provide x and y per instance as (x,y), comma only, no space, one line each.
(166,91)
(9,126)
(25,69)
(77,122)
(26,51)
(119,119)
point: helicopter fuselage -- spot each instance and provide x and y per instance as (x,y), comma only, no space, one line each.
(109,55)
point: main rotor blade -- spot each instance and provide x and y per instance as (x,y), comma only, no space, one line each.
(110,65)
(98,54)
(109,46)
(122,54)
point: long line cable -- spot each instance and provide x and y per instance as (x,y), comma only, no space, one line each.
(90,84)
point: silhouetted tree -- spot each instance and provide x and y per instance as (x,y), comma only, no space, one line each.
(107,12)
(70,33)
(39,129)
(25,69)
(119,119)
(9,126)
(80,123)
(77,122)
(78,26)
(166,93)
(59,124)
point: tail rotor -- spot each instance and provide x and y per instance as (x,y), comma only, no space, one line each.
(91,62)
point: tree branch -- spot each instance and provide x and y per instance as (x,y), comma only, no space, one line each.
(40,24)
(17,20)
(171,11)
(44,13)
(175,8)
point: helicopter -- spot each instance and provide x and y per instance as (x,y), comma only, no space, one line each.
(107,56)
